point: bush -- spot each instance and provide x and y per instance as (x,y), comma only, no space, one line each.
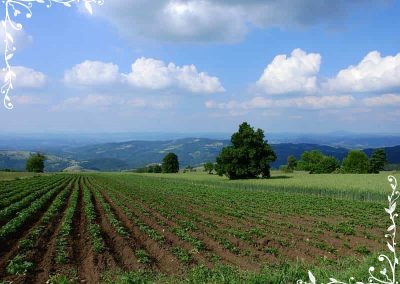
(209,167)
(285,169)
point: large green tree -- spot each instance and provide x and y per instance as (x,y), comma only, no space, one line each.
(356,162)
(377,161)
(35,163)
(249,155)
(170,163)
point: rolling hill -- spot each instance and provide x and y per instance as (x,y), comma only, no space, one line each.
(135,154)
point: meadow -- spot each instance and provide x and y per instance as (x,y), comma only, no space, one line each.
(191,227)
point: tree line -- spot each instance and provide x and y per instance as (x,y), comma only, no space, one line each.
(356,162)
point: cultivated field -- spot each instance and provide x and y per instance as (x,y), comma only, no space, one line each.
(189,227)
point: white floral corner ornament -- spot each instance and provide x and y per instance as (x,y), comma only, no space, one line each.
(13,9)
(387,275)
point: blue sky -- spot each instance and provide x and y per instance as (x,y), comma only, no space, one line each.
(205,66)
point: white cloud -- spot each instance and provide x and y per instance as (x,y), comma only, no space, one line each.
(26,78)
(307,102)
(154,74)
(92,73)
(149,73)
(217,20)
(296,73)
(373,74)
(383,100)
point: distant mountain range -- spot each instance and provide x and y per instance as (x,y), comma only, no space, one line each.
(134,154)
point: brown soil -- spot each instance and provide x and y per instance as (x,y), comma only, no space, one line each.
(165,261)
(284,238)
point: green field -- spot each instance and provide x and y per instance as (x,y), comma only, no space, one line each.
(16,175)
(192,228)
(370,187)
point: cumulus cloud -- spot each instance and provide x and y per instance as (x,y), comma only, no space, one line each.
(154,74)
(373,74)
(291,74)
(383,100)
(217,20)
(307,102)
(147,73)
(92,73)
(27,78)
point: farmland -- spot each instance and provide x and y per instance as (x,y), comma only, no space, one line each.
(193,227)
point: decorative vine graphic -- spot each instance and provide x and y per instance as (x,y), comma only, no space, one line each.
(14,9)
(388,273)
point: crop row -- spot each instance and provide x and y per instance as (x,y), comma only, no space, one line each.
(64,234)
(28,213)
(230,219)
(20,263)
(23,190)
(6,187)
(183,227)
(182,254)
(93,228)
(115,223)
(11,210)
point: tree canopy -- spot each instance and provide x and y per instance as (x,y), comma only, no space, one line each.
(248,156)
(209,167)
(170,163)
(316,162)
(377,161)
(35,163)
(356,162)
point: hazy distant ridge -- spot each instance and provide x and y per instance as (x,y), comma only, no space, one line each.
(134,154)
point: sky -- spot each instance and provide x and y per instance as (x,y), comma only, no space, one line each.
(311,66)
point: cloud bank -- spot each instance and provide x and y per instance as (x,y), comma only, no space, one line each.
(218,20)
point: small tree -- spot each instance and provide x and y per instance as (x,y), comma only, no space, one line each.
(377,161)
(356,162)
(170,163)
(248,157)
(209,167)
(35,163)
(291,163)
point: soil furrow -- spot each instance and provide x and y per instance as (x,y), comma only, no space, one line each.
(82,252)
(166,262)
(172,239)
(122,251)
(10,247)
